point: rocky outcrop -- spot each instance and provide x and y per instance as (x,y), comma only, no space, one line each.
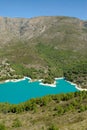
(25,29)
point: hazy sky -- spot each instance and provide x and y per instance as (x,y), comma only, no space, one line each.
(33,8)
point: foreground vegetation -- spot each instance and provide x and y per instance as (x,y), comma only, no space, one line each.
(33,104)
(46,113)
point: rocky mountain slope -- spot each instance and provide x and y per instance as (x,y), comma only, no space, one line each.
(20,28)
(24,29)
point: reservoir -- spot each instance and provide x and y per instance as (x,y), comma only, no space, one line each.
(15,92)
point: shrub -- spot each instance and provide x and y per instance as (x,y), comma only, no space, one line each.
(53,127)
(2,127)
(16,123)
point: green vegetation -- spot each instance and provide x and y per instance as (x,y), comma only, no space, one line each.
(2,127)
(16,123)
(52,63)
(53,127)
(77,73)
(52,112)
(32,105)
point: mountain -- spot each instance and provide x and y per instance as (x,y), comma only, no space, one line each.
(44,47)
(21,29)
(46,27)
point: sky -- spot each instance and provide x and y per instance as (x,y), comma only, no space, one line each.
(35,8)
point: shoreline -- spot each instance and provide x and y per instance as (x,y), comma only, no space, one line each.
(76,86)
(16,80)
(59,78)
(44,84)
(49,85)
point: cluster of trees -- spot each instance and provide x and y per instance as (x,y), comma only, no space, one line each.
(64,63)
(76,102)
(77,73)
(57,63)
(29,72)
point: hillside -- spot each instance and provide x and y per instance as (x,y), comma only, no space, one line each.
(44,47)
(55,112)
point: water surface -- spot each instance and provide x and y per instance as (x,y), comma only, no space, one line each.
(17,92)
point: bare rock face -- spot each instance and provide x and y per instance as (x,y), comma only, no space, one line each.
(20,28)
(25,29)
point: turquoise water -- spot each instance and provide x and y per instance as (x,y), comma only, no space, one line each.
(17,92)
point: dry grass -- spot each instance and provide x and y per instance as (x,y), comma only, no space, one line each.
(45,117)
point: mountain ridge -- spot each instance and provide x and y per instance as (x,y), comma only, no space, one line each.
(22,28)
